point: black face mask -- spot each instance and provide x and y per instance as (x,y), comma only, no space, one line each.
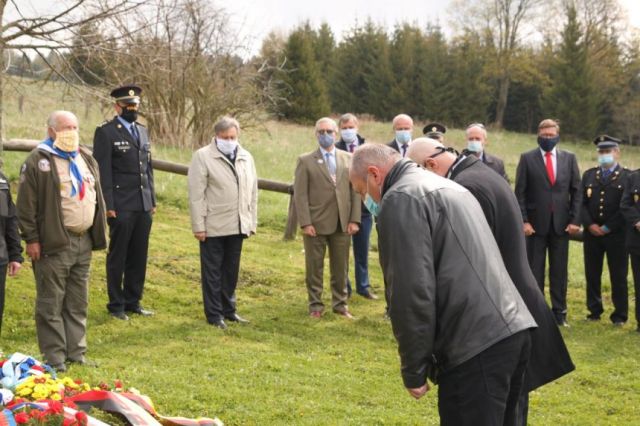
(129,115)
(547,144)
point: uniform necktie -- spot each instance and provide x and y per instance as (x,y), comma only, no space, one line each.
(352,147)
(606,173)
(331,164)
(549,163)
(134,132)
(404,150)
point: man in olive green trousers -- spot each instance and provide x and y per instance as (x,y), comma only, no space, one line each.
(61,214)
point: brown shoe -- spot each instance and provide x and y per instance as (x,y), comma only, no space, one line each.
(345,314)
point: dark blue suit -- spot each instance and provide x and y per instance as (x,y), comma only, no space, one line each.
(360,240)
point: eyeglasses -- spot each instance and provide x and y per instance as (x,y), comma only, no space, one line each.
(444,149)
(326,132)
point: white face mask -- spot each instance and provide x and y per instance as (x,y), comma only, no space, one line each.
(227,146)
(67,140)
(349,135)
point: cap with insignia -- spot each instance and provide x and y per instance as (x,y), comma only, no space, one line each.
(129,94)
(606,142)
(434,130)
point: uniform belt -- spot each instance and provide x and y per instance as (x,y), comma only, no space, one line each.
(77,234)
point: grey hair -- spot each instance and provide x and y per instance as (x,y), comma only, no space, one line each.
(347,117)
(53,119)
(476,126)
(373,154)
(225,123)
(326,120)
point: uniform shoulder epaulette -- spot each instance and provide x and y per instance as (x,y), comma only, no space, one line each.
(105,122)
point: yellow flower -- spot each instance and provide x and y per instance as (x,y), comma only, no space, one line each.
(40,389)
(56,397)
(24,391)
(36,396)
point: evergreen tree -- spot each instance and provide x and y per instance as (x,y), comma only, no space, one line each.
(363,79)
(571,97)
(305,92)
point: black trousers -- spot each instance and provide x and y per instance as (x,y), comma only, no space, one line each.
(558,248)
(3,280)
(127,259)
(635,267)
(595,248)
(220,265)
(485,390)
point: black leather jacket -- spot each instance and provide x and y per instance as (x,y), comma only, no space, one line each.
(450,296)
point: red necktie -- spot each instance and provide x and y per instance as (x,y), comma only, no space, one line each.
(352,147)
(549,164)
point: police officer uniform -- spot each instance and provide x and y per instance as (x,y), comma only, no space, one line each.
(630,206)
(435,131)
(602,191)
(122,148)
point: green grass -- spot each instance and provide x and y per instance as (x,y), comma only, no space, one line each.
(285,368)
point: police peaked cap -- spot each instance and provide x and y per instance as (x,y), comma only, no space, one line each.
(129,94)
(606,142)
(434,129)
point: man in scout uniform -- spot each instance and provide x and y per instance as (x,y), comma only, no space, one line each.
(61,214)
(122,148)
(604,231)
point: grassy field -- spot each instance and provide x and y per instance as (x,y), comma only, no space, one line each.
(285,368)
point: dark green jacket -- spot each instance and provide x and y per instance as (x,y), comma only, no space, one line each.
(39,204)
(10,247)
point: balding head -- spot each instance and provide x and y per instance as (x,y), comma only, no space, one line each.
(371,162)
(60,121)
(431,154)
(402,122)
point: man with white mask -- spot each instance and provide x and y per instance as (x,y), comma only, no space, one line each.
(403,131)
(350,139)
(329,214)
(223,199)
(61,214)
(476,144)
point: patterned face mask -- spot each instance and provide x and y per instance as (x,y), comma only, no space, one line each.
(67,140)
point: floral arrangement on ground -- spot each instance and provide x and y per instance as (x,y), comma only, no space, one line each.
(32,394)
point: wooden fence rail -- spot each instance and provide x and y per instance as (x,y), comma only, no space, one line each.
(27,145)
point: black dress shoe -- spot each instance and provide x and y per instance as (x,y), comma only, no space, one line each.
(141,311)
(120,315)
(219,323)
(592,317)
(236,318)
(369,295)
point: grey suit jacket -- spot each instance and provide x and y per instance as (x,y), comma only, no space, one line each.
(549,208)
(320,202)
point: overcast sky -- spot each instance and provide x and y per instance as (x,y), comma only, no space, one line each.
(256,18)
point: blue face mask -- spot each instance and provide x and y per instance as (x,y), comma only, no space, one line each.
(474,146)
(605,160)
(372,206)
(325,140)
(547,144)
(403,136)
(349,135)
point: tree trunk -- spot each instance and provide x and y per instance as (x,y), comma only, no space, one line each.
(503,93)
